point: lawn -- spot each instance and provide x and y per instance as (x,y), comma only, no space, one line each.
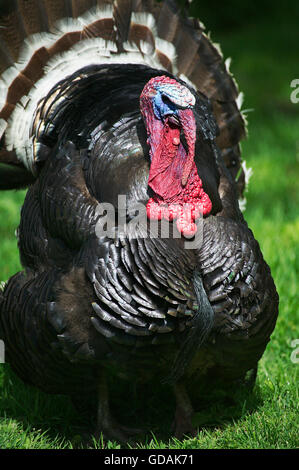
(264,63)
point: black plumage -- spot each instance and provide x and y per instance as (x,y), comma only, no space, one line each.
(144,307)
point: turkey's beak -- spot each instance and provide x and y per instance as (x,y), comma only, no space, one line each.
(173,119)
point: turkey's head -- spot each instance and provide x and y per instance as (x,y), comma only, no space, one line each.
(167,110)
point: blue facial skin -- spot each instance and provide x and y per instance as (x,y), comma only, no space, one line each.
(163,108)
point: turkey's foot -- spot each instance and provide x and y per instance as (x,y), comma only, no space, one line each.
(183,414)
(114,431)
(106,424)
(250,378)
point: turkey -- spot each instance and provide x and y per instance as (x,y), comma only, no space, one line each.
(124,123)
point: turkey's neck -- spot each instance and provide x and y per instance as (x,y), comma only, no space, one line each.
(173,175)
(167,159)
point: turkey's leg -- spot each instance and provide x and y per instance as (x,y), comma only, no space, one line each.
(183,413)
(106,424)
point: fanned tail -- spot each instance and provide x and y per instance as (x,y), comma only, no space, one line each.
(41,42)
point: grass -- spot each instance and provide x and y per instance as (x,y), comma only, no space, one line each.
(267,417)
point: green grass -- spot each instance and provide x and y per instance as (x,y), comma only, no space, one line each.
(267,417)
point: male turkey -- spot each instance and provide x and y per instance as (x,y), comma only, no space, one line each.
(127,98)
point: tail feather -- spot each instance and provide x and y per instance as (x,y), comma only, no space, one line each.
(57,9)
(122,15)
(6,59)
(142,32)
(79,7)
(34,15)
(230,123)
(168,22)
(12,31)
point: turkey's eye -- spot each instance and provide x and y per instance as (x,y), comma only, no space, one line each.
(167,101)
(168,106)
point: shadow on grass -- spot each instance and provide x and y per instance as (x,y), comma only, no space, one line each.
(70,427)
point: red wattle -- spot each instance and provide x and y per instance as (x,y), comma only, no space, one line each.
(192,203)
(187,229)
